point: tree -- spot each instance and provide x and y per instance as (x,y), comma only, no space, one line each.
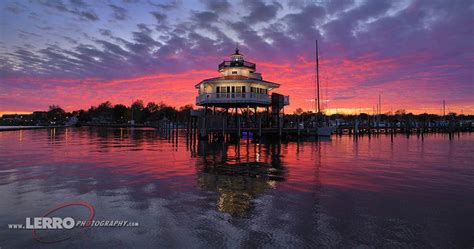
(152,107)
(120,113)
(105,111)
(56,114)
(186,107)
(138,104)
(149,111)
(400,112)
(299,111)
(84,116)
(184,111)
(137,108)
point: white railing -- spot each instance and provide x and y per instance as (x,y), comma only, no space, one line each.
(211,98)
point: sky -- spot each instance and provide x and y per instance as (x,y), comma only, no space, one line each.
(78,53)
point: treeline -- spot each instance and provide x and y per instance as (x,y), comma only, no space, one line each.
(104,113)
(138,111)
(108,113)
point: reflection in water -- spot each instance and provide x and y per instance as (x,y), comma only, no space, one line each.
(340,193)
(238,178)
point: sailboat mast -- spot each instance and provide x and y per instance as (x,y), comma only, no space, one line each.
(318,109)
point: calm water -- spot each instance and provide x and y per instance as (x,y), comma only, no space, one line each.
(339,193)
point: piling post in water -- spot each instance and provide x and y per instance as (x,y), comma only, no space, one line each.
(280,126)
(203,128)
(187,127)
(260,126)
(356,127)
(193,128)
(369,125)
(298,126)
(238,126)
(223,126)
(171,130)
(170,127)
(423,133)
(177,130)
(248,138)
(391,131)
(164,132)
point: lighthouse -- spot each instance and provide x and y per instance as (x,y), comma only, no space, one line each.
(239,86)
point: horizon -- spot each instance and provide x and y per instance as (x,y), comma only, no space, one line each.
(347,112)
(79,54)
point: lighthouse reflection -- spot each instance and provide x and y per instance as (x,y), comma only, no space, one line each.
(239,173)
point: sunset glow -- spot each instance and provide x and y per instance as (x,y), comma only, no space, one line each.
(77,54)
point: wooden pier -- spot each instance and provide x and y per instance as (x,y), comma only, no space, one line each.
(217,127)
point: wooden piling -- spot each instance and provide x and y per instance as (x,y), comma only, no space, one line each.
(223,125)
(280,126)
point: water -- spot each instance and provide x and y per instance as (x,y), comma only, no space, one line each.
(340,193)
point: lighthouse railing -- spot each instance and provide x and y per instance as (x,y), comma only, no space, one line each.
(242,97)
(237,64)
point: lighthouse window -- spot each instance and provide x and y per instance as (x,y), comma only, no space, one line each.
(234,72)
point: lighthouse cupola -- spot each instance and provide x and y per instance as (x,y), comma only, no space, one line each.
(237,57)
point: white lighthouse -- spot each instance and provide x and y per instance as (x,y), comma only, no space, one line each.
(239,86)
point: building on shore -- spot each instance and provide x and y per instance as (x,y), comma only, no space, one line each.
(240,86)
(17,118)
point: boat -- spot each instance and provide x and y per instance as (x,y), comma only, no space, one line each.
(73,121)
(326,130)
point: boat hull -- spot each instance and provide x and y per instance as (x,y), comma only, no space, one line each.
(325,131)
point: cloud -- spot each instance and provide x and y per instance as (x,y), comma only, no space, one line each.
(220,6)
(160,17)
(260,11)
(16,7)
(119,13)
(205,17)
(105,32)
(77,8)
(169,5)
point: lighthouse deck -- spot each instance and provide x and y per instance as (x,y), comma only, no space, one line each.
(236,98)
